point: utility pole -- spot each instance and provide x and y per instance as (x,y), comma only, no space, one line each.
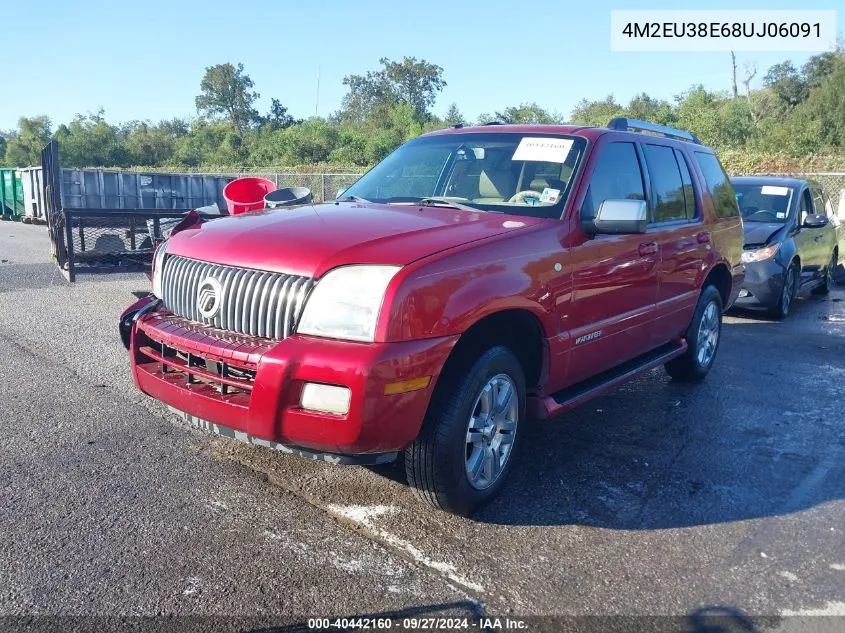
(317,100)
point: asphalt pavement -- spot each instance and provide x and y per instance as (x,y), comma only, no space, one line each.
(721,499)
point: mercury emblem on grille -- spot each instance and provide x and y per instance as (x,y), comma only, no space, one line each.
(209,297)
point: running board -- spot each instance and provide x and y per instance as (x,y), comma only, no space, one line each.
(565,399)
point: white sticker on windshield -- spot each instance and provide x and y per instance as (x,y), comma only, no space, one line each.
(550,195)
(546,150)
(770,190)
(780,215)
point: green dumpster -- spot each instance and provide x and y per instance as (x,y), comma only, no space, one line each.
(11,194)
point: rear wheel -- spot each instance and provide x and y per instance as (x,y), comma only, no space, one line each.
(787,293)
(462,456)
(702,338)
(829,279)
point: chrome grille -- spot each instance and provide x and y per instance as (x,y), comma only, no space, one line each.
(253,302)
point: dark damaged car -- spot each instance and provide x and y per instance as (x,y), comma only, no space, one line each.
(790,242)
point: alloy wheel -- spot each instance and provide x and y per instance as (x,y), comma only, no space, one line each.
(788,292)
(491,431)
(708,334)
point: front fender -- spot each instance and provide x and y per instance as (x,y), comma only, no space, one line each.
(450,304)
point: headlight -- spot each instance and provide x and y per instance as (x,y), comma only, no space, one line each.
(158,268)
(346,302)
(759,254)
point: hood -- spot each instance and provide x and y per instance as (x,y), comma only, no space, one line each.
(758,233)
(309,240)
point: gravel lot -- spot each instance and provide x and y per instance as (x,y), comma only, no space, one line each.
(656,500)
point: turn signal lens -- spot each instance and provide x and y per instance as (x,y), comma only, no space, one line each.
(759,254)
(404,386)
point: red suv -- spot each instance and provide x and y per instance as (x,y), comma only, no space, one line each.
(475,278)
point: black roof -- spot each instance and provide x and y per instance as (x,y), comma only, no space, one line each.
(780,181)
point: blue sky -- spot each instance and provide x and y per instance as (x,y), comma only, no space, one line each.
(144,60)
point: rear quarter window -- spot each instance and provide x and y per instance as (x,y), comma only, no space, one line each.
(721,191)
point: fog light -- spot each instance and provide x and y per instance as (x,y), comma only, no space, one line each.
(325,398)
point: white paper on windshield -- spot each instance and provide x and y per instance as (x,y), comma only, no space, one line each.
(550,195)
(780,215)
(546,150)
(770,190)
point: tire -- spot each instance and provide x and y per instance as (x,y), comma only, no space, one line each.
(437,464)
(787,293)
(829,279)
(703,336)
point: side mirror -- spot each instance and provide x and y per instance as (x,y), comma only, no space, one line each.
(815,221)
(623,216)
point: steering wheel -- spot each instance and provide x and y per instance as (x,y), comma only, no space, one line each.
(522,195)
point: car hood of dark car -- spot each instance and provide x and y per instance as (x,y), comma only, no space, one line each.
(758,233)
(312,239)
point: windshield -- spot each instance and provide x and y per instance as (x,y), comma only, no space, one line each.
(521,174)
(763,203)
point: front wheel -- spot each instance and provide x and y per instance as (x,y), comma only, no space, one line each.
(462,456)
(702,338)
(787,293)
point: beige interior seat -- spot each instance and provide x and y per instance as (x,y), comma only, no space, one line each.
(495,185)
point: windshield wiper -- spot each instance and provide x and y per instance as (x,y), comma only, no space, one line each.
(445,202)
(351,198)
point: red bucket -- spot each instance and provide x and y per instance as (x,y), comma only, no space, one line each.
(247,194)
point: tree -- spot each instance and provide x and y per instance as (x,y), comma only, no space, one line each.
(152,145)
(90,141)
(824,109)
(787,84)
(278,117)
(227,91)
(24,148)
(526,113)
(411,81)
(311,141)
(647,108)
(596,112)
(818,67)
(714,117)
(453,116)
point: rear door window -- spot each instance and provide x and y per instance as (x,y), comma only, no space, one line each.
(617,175)
(667,187)
(724,198)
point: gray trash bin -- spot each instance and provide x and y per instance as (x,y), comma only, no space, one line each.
(287,197)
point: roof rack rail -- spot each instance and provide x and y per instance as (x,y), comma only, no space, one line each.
(634,125)
(493,123)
